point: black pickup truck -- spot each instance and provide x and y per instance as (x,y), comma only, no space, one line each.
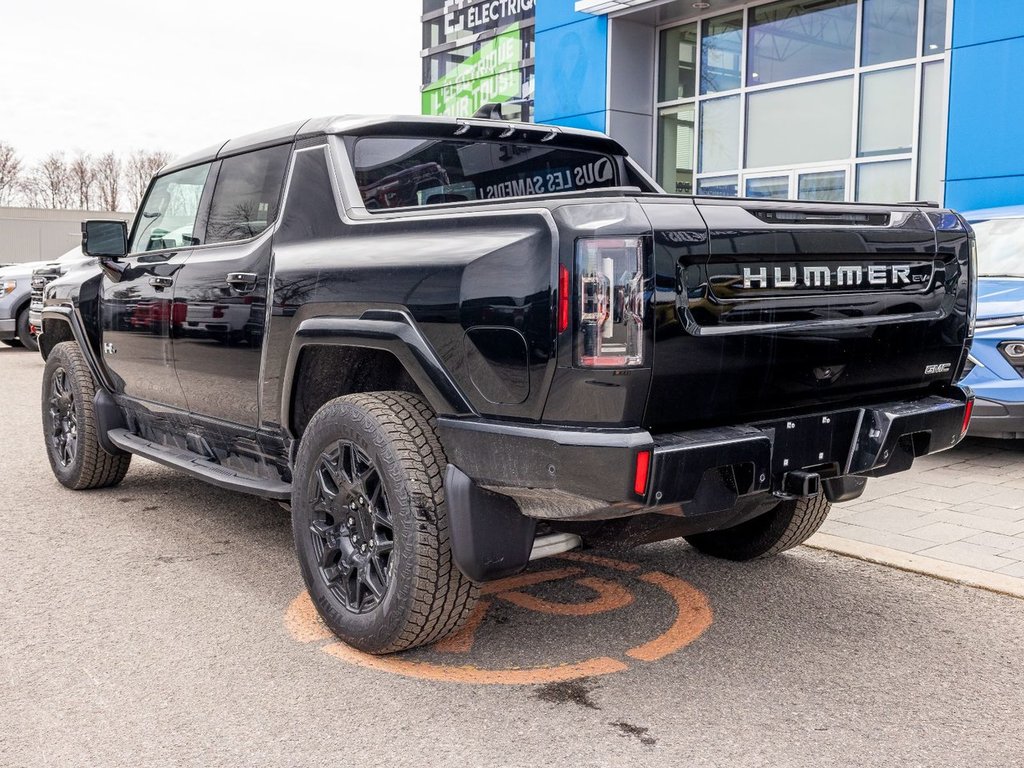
(451,346)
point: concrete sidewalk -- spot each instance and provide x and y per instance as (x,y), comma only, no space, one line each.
(963,507)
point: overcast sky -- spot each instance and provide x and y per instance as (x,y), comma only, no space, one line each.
(100,75)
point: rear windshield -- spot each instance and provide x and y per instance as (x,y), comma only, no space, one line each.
(403,172)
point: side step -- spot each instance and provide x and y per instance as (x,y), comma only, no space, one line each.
(199,466)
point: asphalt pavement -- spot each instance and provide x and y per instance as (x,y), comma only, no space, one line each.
(162,623)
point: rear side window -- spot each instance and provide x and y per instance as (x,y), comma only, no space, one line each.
(403,172)
(247,195)
(168,216)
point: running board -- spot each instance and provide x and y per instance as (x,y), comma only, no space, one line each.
(199,466)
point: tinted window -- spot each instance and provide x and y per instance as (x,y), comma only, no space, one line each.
(167,218)
(247,195)
(800,38)
(396,173)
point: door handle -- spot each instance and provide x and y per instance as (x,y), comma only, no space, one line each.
(243,282)
(161,282)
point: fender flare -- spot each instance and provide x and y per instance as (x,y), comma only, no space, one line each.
(68,314)
(388,330)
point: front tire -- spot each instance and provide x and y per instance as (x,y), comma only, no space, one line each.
(24,334)
(787,525)
(371,526)
(70,427)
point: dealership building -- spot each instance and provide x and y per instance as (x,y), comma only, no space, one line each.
(875,100)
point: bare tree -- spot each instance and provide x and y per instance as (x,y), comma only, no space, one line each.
(10,172)
(83,179)
(52,178)
(108,180)
(141,166)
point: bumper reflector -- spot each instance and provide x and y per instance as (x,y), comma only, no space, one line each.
(967,417)
(643,465)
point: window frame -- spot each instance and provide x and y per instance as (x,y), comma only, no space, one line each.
(919,62)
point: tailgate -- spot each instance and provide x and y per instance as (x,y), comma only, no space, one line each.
(787,307)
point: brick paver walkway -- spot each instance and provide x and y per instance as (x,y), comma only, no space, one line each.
(964,506)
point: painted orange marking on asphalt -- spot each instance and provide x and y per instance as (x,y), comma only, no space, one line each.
(605,562)
(610,596)
(304,623)
(693,619)
(528,580)
(475,675)
(462,641)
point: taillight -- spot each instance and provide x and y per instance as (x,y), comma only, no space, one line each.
(563,299)
(610,286)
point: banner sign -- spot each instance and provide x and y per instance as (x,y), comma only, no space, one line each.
(478,15)
(490,75)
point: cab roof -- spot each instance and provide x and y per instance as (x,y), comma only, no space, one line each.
(404,125)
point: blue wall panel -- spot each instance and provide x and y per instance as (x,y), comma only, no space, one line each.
(985,145)
(972,194)
(571,75)
(983,21)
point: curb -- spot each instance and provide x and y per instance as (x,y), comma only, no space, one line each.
(926,566)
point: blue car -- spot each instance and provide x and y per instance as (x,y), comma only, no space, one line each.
(995,370)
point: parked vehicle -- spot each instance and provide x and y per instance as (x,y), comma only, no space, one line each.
(45,272)
(995,370)
(15,296)
(538,348)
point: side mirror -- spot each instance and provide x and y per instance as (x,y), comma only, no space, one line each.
(105,239)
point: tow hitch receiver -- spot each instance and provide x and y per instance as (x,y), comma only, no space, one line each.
(800,483)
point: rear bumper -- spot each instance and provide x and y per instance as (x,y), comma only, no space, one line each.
(592,475)
(996,419)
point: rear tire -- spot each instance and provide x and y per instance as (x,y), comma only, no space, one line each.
(24,334)
(371,525)
(70,427)
(789,524)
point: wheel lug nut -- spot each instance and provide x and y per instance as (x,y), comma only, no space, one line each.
(362,501)
(352,506)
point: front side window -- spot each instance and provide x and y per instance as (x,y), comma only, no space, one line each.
(167,218)
(404,172)
(247,195)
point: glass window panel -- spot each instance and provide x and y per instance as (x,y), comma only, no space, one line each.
(776,187)
(800,38)
(890,30)
(883,182)
(247,194)
(931,161)
(886,112)
(934,26)
(675,149)
(720,186)
(720,134)
(168,215)
(678,78)
(808,123)
(721,47)
(827,186)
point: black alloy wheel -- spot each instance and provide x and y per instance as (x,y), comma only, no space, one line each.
(70,426)
(352,532)
(63,419)
(370,523)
